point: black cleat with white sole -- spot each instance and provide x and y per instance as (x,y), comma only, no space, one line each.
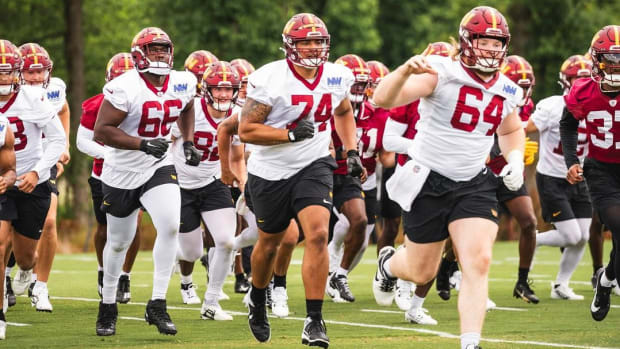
(258,322)
(524,291)
(314,333)
(600,302)
(106,319)
(156,314)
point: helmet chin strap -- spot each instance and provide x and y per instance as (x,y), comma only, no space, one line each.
(6,90)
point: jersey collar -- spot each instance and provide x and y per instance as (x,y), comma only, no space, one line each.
(486,84)
(152,87)
(310,86)
(9,103)
(208,116)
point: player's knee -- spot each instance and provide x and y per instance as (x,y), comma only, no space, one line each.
(317,241)
(50,225)
(479,265)
(26,260)
(573,239)
(225,243)
(192,254)
(528,224)
(118,246)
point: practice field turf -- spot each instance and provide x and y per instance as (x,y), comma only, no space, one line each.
(363,324)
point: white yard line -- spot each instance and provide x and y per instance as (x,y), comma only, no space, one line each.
(357,324)
(17,324)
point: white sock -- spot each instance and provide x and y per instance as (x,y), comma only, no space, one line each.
(335,247)
(7,271)
(34,277)
(120,234)
(210,255)
(99,268)
(569,261)
(163,203)
(39,285)
(387,269)
(417,302)
(470,338)
(342,271)
(186,279)
(605,282)
(125,274)
(222,225)
(568,233)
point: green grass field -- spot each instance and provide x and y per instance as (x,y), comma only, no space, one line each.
(551,323)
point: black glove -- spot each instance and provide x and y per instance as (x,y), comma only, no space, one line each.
(156,147)
(354,163)
(303,130)
(192,155)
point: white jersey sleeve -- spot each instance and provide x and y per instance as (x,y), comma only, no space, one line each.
(57,93)
(547,118)
(459,118)
(292,98)
(4,125)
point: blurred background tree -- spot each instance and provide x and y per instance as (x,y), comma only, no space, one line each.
(81,35)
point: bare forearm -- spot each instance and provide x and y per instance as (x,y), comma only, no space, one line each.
(512,141)
(9,177)
(387,93)
(186,124)
(116,138)
(262,134)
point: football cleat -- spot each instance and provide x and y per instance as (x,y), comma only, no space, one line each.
(188,293)
(455,279)
(5,304)
(616,290)
(156,314)
(106,319)
(10,295)
(279,302)
(338,289)
(40,299)
(382,284)
(524,291)
(443,284)
(268,292)
(404,291)
(600,302)
(21,281)
(123,293)
(223,296)
(419,316)
(242,285)
(100,283)
(314,333)
(214,312)
(562,291)
(257,320)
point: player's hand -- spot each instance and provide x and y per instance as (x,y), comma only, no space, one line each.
(192,155)
(354,163)
(156,147)
(418,65)
(574,174)
(364,175)
(229,178)
(512,173)
(65,157)
(531,148)
(3,185)
(28,181)
(60,169)
(303,130)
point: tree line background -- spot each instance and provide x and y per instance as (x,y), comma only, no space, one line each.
(81,36)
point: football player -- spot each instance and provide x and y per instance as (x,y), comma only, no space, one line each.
(37,70)
(445,188)
(25,206)
(596,100)
(518,203)
(134,121)
(287,121)
(370,123)
(118,64)
(564,205)
(197,63)
(204,198)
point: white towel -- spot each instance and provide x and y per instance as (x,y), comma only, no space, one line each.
(406,183)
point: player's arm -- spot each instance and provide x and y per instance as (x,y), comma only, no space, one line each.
(107,131)
(65,119)
(387,158)
(186,122)
(393,139)
(56,144)
(344,121)
(511,139)
(86,144)
(409,82)
(252,128)
(225,131)
(531,127)
(237,163)
(568,137)
(7,162)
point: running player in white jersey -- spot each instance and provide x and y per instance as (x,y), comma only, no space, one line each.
(566,206)
(204,198)
(287,117)
(9,73)
(25,206)
(446,189)
(37,70)
(118,64)
(134,121)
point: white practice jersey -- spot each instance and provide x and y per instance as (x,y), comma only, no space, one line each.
(57,93)
(293,98)
(205,140)
(547,120)
(150,114)
(458,120)
(30,114)
(4,126)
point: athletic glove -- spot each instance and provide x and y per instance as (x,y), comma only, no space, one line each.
(354,163)
(512,173)
(192,155)
(156,147)
(531,148)
(303,130)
